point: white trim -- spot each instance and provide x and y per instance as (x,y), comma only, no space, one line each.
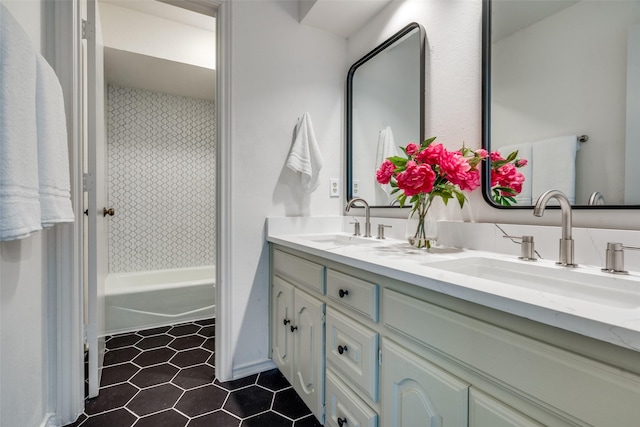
(225,346)
(252,368)
(68,399)
(50,420)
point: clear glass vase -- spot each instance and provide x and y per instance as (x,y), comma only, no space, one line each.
(421,226)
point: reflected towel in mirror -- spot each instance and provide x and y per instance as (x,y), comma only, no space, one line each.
(554,166)
(386,148)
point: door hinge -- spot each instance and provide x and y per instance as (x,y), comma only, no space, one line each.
(380,357)
(87,29)
(87,182)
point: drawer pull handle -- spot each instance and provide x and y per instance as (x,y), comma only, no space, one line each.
(342,421)
(342,349)
(342,293)
(293,328)
(286,321)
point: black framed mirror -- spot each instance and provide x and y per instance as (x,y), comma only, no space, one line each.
(385,109)
(561,83)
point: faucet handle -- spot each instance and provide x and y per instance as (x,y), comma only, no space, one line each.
(356,227)
(381,228)
(614,263)
(527,247)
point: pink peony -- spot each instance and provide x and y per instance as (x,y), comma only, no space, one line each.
(482,153)
(471,181)
(411,149)
(507,176)
(454,166)
(520,163)
(431,154)
(416,179)
(385,172)
(495,156)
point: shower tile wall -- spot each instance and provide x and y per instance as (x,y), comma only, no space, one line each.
(161,163)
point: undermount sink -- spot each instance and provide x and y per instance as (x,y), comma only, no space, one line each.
(579,283)
(336,239)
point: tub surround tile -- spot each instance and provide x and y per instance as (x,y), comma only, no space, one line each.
(181,391)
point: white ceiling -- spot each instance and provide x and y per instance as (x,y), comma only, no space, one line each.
(510,16)
(159,75)
(340,17)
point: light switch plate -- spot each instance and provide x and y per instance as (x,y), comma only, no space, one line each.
(334,187)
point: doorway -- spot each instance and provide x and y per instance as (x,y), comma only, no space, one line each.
(150,218)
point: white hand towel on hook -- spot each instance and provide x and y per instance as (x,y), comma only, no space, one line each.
(304,157)
(19,203)
(53,155)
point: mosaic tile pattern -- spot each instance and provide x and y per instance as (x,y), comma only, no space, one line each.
(165,377)
(161,161)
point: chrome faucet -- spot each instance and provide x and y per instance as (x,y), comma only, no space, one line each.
(367,216)
(566,242)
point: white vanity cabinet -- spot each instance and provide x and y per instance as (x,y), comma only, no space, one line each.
(415,392)
(399,355)
(485,411)
(297,328)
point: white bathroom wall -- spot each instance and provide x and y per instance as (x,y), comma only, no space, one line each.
(280,69)
(162,180)
(453,104)
(24,294)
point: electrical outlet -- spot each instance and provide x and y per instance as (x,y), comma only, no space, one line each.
(355,188)
(334,187)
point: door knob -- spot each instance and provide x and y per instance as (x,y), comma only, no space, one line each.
(110,212)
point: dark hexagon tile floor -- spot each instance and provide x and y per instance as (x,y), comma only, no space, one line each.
(165,377)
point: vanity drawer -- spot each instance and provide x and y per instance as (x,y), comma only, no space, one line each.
(299,271)
(359,295)
(353,350)
(343,404)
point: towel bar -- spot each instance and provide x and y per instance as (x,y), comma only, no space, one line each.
(583,138)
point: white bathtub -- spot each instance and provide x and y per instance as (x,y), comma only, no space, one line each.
(148,299)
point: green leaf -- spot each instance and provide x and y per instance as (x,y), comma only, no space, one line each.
(512,156)
(461,197)
(427,142)
(398,161)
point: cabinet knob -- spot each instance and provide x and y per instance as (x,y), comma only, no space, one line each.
(286,322)
(342,421)
(342,349)
(343,292)
(293,328)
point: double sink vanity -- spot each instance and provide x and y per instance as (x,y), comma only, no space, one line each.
(373,332)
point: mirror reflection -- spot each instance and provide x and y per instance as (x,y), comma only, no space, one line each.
(385,110)
(562,86)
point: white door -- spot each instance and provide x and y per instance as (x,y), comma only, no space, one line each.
(95,165)
(418,393)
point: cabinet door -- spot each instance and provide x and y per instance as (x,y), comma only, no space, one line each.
(282,318)
(485,411)
(308,365)
(417,393)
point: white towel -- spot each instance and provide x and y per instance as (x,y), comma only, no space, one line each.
(386,148)
(19,200)
(524,152)
(53,155)
(304,157)
(554,166)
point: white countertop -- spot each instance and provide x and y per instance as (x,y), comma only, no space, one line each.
(618,324)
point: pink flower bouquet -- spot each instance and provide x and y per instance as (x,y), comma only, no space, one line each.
(430,170)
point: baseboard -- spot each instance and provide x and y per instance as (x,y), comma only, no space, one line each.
(49,420)
(252,368)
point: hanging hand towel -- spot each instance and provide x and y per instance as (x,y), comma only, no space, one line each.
(386,148)
(304,157)
(524,152)
(554,166)
(19,200)
(53,155)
